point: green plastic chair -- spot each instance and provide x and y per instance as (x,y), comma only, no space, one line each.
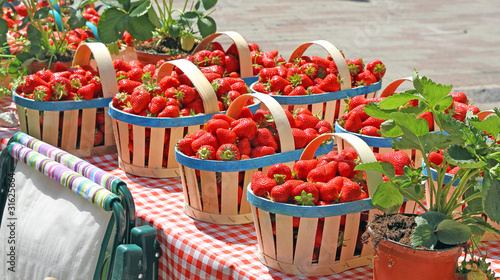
(102,200)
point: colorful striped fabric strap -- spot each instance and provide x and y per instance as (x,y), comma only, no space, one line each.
(65,176)
(77,164)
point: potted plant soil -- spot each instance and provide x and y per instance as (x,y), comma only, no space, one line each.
(432,242)
(166,34)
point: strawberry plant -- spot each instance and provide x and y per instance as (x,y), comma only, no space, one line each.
(467,144)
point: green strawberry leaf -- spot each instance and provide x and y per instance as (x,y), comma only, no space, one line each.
(410,123)
(387,198)
(423,235)
(395,101)
(140,28)
(491,125)
(140,9)
(460,156)
(450,125)
(112,25)
(373,110)
(206,26)
(443,104)
(384,168)
(432,218)
(434,93)
(491,193)
(452,232)
(390,129)
(114,3)
(3,29)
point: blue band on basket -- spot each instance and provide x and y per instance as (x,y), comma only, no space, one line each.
(61,105)
(166,122)
(308,211)
(325,97)
(247,164)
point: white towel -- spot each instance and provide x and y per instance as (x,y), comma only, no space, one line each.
(57,233)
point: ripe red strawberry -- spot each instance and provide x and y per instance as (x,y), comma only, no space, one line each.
(310,69)
(473,109)
(261,151)
(330,83)
(60,67)
(435,158)
(278,83)
(168,82)
(186,94)
(45,75)
(355,101)
(330,191)
(297,91)
(231,63)
(429,118)
(303,167)
(244,146)
(262,186)
(281,193)
(225,117)
(196,106)
(245,113)
(300,194)
(135,74)
(201,58)
(264,137)
(221,86)
(239,87)
(205,139)
(348,153)
(300,138)
(226,136)
(459,97)
(158,103)
(454,170)
(399,160)
(139,99)
(31,82)
(353,123)
(42,93)
(127,85)
(351,191)
(61,87)
(327,127)
(377,68)
(217,57)
(370,130)
(346,168)
(304,121)
(214,124)
(356,66)
(323,173)
(86,92)
(206,152)
(311,133)
(279,169)
(227,152)
(121,65)
(170,111)
(364,78)
(98,137)
(459,111)
(371,121)
(244,128)
(184,144)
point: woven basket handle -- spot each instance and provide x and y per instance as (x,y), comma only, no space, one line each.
(391,88)
(287,142)
(104,65)
(334,53)
(364,152)
(199,81)
(246,69)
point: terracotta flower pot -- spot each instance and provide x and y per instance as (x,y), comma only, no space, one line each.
(35,66)
(152,58)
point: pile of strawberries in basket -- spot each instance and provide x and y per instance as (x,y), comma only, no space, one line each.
(358,121)
(249,136)
(172,96)
(314,75)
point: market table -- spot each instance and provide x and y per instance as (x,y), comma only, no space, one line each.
(198,250)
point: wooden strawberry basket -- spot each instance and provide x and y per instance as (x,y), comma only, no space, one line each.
(244,57)
(199,177)
(148,157)
(283,252)
(330,105)
(60,118)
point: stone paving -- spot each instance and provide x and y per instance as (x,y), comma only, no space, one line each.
(450,41)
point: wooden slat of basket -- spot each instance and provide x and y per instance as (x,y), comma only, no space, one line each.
(245,205)
(256,223)
(266,232)
(209,198)
(329,241)
(109,139)
(69,130)
(176,134)
(21,113)
(351,229)
(317,108)
(229,193)
(284,238)
(87,133)
(51,127)
(122,141)
(193,128)
(329,114)
(367,250)
(156,140)
(33,123)
(139,140)
(192,188)
(305,241)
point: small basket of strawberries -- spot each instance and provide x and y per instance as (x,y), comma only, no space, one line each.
(217,161)
(320,84)
(151,118)
(68,107)
(309,219)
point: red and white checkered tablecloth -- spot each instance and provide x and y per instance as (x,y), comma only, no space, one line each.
(198,250)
